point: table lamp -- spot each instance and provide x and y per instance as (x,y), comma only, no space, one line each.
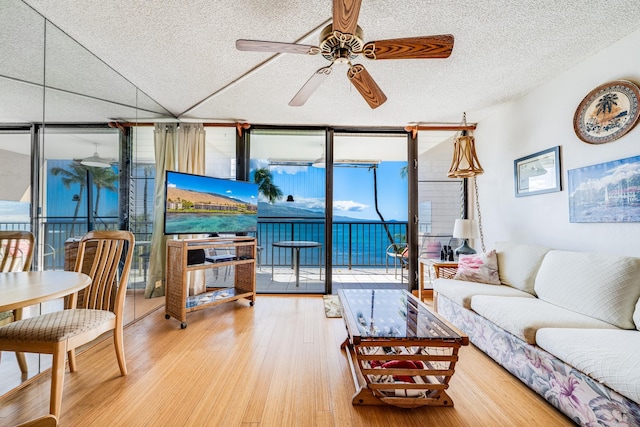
(464,229)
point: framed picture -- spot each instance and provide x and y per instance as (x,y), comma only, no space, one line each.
(607,112)
(538,173)
(606,192)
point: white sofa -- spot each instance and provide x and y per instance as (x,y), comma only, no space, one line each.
(565,323)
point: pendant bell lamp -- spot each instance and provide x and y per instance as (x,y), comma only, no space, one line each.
(465,163)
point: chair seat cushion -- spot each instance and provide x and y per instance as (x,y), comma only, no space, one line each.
(55,327)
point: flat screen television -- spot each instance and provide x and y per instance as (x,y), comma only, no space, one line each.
(197,204)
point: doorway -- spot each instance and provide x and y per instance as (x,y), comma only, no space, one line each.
(370,210)
(291,209)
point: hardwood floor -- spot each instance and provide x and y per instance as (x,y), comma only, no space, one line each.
(278,363)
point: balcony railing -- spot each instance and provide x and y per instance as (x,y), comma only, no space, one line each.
(355,244)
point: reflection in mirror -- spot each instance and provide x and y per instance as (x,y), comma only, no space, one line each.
(83,89)
(21,103)
(15,204)
(141,214)
(72,68)
(22,64)
(69,123)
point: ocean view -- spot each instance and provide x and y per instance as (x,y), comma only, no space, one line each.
(365,242)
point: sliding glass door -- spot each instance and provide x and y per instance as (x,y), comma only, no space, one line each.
(370,196)
(289,167)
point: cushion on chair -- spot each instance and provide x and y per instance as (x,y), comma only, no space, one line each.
(55,327)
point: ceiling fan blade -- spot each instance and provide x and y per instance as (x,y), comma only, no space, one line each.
(345,15)
(410,48)
(367,87)
(265,46)
(310,86)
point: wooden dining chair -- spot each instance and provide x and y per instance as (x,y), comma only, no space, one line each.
(44,421)
(16,254)
(106,257)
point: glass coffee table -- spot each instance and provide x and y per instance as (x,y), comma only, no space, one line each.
(400,352)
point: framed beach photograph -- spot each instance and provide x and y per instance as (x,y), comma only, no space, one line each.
(537,173)
(606,192)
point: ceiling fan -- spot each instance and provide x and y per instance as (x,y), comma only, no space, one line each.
(341,42)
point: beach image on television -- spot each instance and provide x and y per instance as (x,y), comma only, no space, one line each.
(198,204)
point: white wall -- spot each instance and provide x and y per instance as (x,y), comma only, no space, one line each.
(543,119)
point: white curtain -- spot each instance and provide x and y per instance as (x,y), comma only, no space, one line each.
(180,150)
(191,141)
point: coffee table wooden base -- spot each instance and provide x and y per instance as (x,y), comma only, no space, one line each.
(381,386)
(399,351)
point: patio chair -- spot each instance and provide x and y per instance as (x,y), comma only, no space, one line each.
(394,251)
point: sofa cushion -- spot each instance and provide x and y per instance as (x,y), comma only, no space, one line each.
(523,317)
(481,268)
(608,356)
(606,287)
(518,264)
(460,291)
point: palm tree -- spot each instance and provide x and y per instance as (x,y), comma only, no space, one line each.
(606,103)
(103,178)
(266,187)
(375,201)
(76,175)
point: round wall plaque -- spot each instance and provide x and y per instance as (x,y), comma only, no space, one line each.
(607,112)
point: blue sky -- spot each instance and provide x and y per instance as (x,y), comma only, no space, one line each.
(353,190)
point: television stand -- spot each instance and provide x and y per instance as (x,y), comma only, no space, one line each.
(242,258)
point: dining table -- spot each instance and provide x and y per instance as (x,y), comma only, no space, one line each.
(26,288)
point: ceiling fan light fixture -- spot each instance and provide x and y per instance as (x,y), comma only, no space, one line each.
(96,161)
(341,41)
(320,162)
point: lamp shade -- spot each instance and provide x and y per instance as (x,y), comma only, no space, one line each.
(465,163)
(465,229)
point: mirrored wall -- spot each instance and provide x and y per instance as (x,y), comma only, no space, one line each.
(56,102)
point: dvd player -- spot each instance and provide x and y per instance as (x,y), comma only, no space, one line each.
(220,258)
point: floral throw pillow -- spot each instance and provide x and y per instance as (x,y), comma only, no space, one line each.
(482,268)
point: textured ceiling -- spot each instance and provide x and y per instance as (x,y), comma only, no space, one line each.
(182,55)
